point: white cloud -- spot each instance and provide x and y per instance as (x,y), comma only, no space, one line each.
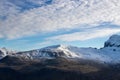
(61,14)
(86,35)
(7,9)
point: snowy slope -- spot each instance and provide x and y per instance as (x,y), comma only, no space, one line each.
(48,52)
(113,53)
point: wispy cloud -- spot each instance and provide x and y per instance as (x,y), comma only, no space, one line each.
(86,35)
(60,14)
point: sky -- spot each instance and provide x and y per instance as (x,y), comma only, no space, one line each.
(32,24)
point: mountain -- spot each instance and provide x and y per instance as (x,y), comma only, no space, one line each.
(62,62)
(69,52)
(114,41)
(110,53)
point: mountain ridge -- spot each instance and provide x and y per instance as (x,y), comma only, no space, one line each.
(65,51)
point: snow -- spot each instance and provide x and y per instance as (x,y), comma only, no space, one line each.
(113,53)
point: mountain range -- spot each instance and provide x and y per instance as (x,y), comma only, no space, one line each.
(63,62)
(110,53)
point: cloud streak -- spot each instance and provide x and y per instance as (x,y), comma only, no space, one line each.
(86,35)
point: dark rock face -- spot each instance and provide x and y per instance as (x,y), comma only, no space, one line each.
(2,54)
(54,53)
(109,44)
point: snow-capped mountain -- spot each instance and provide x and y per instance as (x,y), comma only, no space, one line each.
(49,52)
(109,53)
(114,41)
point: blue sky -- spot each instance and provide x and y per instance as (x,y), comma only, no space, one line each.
(32,24)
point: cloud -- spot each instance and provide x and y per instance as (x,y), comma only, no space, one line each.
(7,9)
(86,35)
(57,16)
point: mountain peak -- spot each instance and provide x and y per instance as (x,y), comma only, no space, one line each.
(56,46)
(113,41)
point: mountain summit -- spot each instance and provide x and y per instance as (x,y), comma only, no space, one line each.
(113,41)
